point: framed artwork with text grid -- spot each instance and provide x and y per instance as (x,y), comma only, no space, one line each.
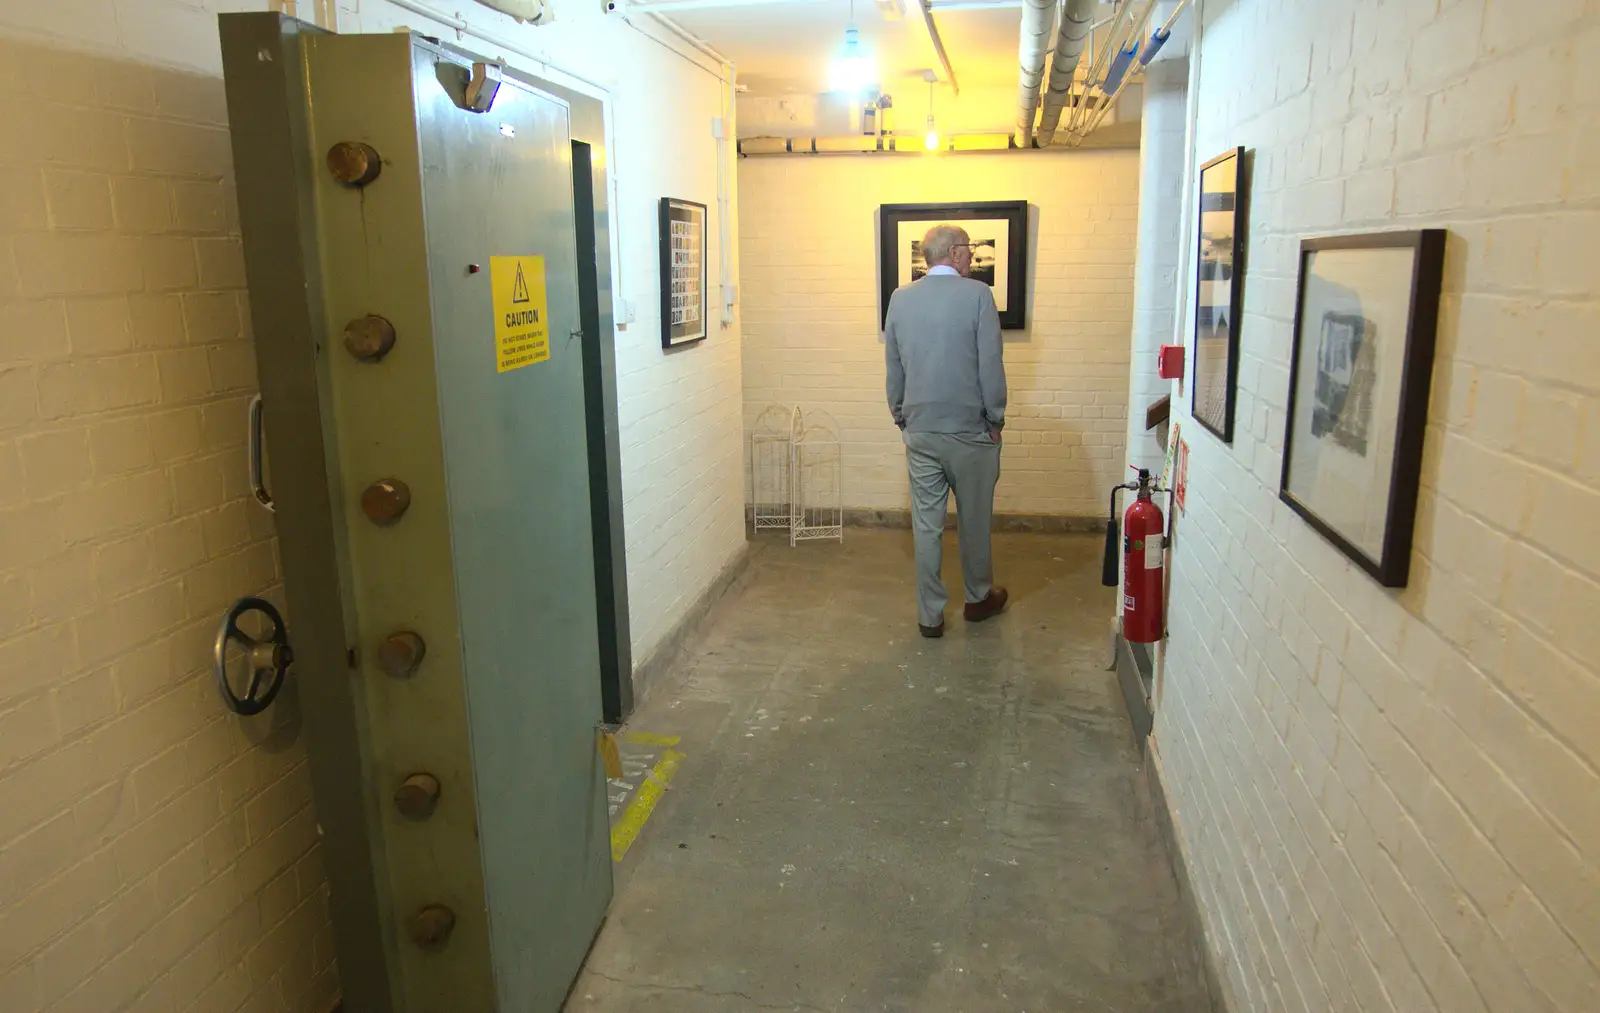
(683,272)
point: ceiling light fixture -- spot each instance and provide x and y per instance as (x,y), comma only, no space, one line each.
(931,140)
(852,71)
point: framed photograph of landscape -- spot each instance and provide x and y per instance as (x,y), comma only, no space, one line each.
(999,233)
(1219,291)
(1359,378)
(683,272)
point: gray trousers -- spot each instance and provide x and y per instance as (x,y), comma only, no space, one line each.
(970,465)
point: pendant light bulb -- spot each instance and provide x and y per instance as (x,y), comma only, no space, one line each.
(851,72)
(931,139)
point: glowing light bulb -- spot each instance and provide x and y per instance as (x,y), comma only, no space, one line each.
(852,71)
(931,142)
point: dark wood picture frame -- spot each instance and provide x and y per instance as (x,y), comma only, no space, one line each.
(677,335)
(1014,212)
(1393,567)
(1222,428)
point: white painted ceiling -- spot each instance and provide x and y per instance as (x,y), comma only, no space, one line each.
(786,47)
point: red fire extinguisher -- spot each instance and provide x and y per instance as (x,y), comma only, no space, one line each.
(1143,552)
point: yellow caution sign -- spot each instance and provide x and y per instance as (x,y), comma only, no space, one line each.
(521,312)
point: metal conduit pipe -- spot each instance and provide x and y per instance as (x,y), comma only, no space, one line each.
(1116,79)
(938,46)
(1098,61)
(1037,20)
(858,144)
(1075,24)
(1158,38)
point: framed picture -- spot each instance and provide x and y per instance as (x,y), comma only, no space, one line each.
(1219,291)
(1359,377)
(683,272)
(999,233)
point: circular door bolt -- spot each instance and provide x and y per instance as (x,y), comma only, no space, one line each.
(417,796)
(386,500)
(431,926)
(369,338)
(354,163)
(401,654)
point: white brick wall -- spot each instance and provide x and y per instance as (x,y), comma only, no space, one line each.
(155,854)
(808,242)
(1390,800)
(1162,154)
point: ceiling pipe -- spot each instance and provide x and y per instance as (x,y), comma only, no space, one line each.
(1098,62)
(1116,79)
(1038,18)
(938,44)
(678,6)
(1146,53)
(1075,25)
(868,144)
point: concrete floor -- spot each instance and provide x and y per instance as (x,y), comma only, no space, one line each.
(867,820)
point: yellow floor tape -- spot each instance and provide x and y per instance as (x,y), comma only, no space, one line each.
(644,800)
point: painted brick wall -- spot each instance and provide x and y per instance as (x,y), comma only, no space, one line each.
(155,854)
(1162,150)
(808,242)
(1390,799)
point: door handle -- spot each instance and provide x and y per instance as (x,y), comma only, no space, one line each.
(267,658)
(258,482)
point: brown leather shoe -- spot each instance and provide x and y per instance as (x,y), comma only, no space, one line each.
(931,632)
(977,612)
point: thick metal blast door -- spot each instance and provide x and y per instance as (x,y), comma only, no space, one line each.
(408,222)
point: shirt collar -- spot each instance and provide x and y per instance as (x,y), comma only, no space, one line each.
(942,269)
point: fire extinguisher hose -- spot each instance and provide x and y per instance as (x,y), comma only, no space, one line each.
(1108,566)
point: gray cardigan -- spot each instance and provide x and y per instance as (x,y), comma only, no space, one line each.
(942,351)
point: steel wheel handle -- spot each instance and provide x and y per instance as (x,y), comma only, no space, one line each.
(268,658)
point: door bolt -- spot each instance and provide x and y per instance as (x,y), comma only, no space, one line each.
(354,163)
(431,926)
(369,338)
(401,653)
(386,500)
(417,796)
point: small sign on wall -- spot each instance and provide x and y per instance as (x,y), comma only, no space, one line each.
(521,312)
(1180,478)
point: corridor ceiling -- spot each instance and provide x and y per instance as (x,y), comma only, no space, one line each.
(786,47)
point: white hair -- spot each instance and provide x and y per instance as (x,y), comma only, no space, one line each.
(939,244)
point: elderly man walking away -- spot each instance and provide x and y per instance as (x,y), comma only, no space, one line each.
(947,393)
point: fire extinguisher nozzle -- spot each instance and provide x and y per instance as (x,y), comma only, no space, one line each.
(1108,568)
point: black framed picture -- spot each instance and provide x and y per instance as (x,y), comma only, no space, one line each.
(999,234)
(1365,321)
(1219,291)
(683,272)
